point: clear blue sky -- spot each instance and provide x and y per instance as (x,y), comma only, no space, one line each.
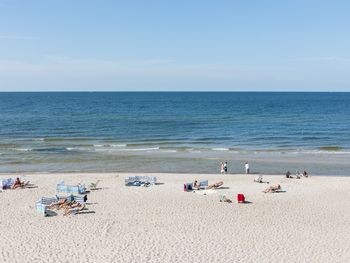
(175,45)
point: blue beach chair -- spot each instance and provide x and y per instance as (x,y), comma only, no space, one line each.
(203,184)
(140,181)
(75,189)
(6,183)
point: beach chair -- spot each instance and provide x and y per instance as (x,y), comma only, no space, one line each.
(140,181)
(153,180)
(93,186)
(222,198)
(203,184)
(6,183)
(240,198)
(258,179)
(42,204)
(188,187)
(75,189)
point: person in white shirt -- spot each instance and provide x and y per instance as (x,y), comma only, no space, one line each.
(222,170)
(246,168)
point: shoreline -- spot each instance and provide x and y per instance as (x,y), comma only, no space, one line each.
(122,173)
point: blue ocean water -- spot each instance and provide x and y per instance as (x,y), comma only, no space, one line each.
(170,131)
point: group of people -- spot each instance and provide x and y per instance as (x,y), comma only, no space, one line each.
(196,185)
(70,207)
(223,168)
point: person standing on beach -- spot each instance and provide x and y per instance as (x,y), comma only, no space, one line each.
(222,170)
(225,167)
(246,168)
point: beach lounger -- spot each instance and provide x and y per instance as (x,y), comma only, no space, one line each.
(258,179)
(42,204)
(93,186)
(203,184)
(188,187)
(75,189)
(222,198)
(6,183)
(140,181)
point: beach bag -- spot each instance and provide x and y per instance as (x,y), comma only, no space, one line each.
(240,198)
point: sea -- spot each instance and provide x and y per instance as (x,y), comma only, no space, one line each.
(175,132)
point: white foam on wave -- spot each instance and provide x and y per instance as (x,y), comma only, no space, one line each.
(143,149)
(23,149)
(220,149)
(118,145)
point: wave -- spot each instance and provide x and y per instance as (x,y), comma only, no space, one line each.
(143,149)
(220,149)
(109,145)
(135,144)
(126,149)
(179,149)
(62,139)
(23,149)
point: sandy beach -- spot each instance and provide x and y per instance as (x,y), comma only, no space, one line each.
(308,222)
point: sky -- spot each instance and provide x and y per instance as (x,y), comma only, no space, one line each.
(182,45)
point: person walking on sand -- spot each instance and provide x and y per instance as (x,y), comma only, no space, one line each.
(246,168)
(225,167)
(222,169)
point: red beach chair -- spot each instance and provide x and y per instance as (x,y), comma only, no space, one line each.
(240,198)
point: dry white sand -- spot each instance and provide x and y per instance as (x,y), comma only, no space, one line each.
(310,222)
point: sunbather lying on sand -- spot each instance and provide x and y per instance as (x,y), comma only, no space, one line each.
(58,204)
(74,210)
(258,179)
(272,189)
(216,185)
(19,184)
